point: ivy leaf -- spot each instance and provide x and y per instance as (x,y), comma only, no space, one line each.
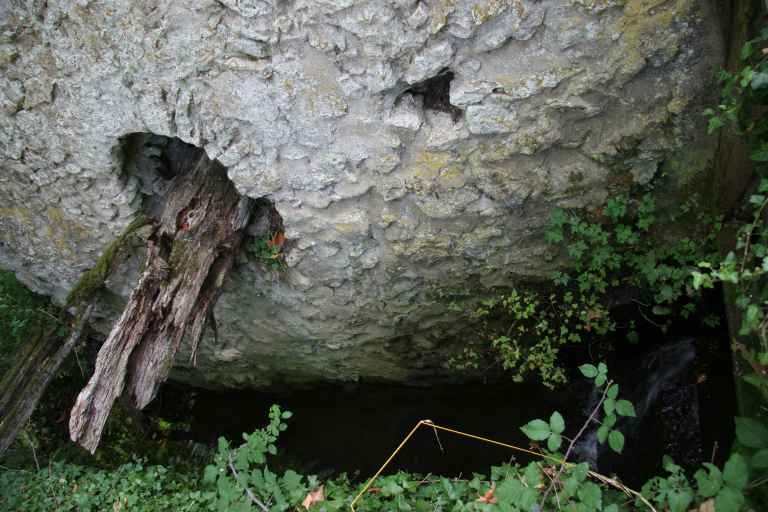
(588,370)
(390,488)
(616,441)
(625,408)
(751,433)
(735,473)
(557,423)
(537,430)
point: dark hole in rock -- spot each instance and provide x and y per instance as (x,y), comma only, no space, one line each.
(154,160)
(680,382)
(435,94)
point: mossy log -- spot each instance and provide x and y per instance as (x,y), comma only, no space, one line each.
(40,358)
(190,252)
(25,383)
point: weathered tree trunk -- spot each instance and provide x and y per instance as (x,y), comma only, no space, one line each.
(190,253)
(25,383)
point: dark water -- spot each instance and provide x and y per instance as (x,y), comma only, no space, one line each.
(682,388)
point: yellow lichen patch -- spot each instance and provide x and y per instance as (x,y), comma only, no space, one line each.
(424,173)
(643,21)
(452,177)
(484,11)
(64,232)
(20,215)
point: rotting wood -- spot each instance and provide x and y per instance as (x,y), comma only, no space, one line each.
(190,253)
(25,383)
(39,359)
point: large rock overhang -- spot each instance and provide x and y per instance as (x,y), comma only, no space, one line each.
(413,148)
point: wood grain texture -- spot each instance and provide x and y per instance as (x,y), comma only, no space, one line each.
(190,252)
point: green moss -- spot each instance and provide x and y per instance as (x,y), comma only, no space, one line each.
(94,278)
(178,254)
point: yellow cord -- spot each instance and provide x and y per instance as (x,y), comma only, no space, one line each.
(429,423)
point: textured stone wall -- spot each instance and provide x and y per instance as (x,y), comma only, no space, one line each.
(410,146)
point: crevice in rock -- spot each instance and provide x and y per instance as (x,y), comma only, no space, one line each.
(435,93)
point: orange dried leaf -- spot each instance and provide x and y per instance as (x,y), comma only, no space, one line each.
(314,497)
(488,496)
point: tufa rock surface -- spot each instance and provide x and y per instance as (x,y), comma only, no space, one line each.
(414,149)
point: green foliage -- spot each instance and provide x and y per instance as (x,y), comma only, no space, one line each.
(743,102)
(612,250)
(241,477)
(24,315)
(133,486)
(267,251)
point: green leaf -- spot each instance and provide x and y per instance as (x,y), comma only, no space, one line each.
(613,391)
(760,154)
(609,406)
(708,482)
(537,430)
(625,408)
(747,50)
(760,80)
(554,442)
(581,471)
(751,433)
(616,441)
(591,495)
(679,500)
(557,423)
(390,488)
(602,368)
(588,370)
(532,474)
(760,459)
(729,500)
(735,473)
(600,379)
(602,433)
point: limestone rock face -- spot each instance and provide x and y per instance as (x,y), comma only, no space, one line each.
(410,146)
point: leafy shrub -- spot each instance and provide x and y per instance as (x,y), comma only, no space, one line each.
(606,251)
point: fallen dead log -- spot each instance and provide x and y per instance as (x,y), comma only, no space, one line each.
(25,383)
(190,252)
(40,359)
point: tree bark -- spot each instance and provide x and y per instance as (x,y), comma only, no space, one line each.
(25,383)
(190,253)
